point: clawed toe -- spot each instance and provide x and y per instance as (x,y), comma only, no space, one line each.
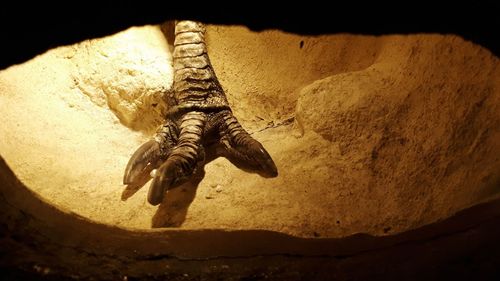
(174,172)
(142,162)
(263,160)
(162,181)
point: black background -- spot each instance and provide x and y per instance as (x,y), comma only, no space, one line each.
(30,29)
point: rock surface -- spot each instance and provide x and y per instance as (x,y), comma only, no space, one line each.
(127,73)
(390,133)
(39,241)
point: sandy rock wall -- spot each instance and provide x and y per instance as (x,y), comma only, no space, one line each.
(370,134)
(419,128)
(127,73)
(262,73)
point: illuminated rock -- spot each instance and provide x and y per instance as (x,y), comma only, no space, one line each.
(127,72)
(397,131)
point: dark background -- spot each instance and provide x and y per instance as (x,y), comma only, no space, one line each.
(27,29)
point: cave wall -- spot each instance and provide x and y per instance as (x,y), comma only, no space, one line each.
(40,241)
(405,126)
(419,125)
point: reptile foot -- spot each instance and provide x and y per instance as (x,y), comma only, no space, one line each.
(199,118)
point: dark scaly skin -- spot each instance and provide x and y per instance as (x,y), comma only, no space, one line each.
(199,118)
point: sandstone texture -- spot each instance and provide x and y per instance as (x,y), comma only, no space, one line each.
(128,73)
(374,135)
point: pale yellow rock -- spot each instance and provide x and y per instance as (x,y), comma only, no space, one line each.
(128,72)
(411,122)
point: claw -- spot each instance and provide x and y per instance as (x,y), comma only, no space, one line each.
(162,180)
(251,152)
(258,157)
(155,193)
(168,176)
(264,160)
(243,150)
(142,162)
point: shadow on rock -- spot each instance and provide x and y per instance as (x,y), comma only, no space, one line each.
(174,207)
(173,210)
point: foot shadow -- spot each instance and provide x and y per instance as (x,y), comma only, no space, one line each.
(173,209)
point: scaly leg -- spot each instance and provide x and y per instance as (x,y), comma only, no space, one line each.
(200,116)
(183,158)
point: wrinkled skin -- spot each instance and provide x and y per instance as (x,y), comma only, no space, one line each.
(200,119)
(179,146)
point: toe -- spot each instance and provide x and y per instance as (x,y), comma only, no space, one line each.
(142,162)
(265,162)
